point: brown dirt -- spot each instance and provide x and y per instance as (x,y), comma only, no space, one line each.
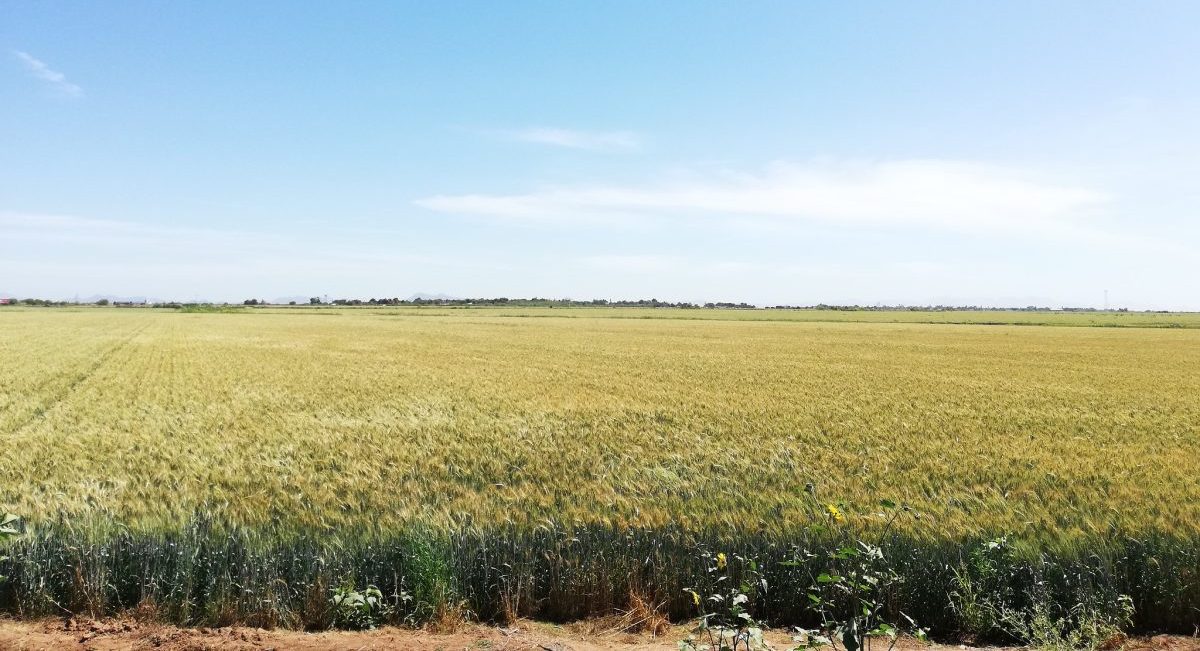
(130,635)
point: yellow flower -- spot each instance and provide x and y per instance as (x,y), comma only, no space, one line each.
(721,561)
(835,513)
(695,597)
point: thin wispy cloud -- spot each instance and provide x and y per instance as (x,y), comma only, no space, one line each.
(63,254)
(943,194)
(575,138)
(54,78)
(707,267)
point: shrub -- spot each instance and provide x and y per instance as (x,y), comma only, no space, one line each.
(358,610)
(852,585)
(725,620)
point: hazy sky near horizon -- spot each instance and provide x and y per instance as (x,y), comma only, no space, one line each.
(999,153)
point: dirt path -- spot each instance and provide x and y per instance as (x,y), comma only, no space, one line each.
(129,635)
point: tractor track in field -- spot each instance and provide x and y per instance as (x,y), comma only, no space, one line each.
(66,392)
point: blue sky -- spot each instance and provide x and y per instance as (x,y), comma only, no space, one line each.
(1001,153)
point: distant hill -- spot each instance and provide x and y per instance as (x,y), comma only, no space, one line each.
(433,297)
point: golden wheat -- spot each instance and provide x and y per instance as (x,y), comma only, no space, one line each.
(375,418)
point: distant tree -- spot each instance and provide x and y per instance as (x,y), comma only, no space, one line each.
(250,301)
(314,300)
(103,301)
(291,302)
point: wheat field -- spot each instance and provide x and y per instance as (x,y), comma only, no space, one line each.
(333,418)
(228,466)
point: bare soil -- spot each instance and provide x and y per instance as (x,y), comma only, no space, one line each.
(131,635)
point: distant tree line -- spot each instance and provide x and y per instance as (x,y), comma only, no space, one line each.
(515,302)
(566,302)
(39,302)
(943,308)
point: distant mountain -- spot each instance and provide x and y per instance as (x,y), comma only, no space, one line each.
(433,297)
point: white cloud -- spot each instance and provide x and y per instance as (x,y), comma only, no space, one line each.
(945,194)
(137,241)
(707,269)
(56,79)
(575,138)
